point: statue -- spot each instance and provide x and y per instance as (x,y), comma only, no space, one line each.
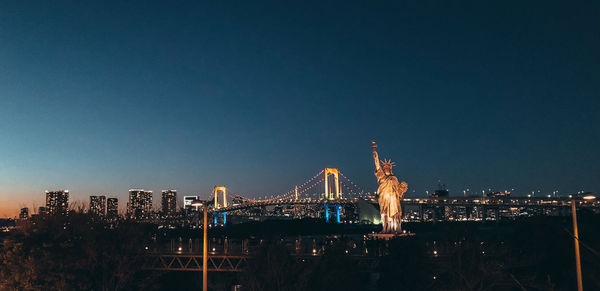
(390,193)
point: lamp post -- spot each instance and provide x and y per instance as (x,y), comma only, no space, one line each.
(576,240)
(204,245)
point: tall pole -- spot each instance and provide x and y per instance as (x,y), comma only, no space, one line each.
(205,255)
(576,240)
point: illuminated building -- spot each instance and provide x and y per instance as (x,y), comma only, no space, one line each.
(169,202)
(42,210)
(24,214)
(140,204)
(112,208)
(505,194)
(57,202)
(441,191)
(187,202)
(98,205)
(238,201)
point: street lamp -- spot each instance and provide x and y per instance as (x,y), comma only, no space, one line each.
(198,203)
(576,239)
(589,196)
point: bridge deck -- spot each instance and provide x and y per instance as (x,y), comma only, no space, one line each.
(226,263)
(431,201)
(176,262)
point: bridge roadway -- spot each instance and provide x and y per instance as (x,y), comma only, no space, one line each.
(431,201)
(227,263)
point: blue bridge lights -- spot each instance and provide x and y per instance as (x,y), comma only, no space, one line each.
(216,217)
(337,212)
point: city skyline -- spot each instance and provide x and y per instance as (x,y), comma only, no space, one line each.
(180,199)
(189,96)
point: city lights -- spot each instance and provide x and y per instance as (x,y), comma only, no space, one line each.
(299,145)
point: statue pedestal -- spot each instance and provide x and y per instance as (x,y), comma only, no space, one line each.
(388,236)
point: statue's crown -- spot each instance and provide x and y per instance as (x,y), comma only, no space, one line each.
(387,164)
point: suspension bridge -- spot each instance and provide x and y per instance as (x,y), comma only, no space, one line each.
(331,190)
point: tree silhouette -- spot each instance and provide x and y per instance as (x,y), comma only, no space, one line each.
(73,253)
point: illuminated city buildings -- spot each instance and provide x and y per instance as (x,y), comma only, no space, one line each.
(187,202)
(169,202)
(57,202)
(140,204)
(98,205)
(42,210)
(24,213)
(112,208)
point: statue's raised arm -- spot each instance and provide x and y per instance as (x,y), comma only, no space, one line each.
(375,156)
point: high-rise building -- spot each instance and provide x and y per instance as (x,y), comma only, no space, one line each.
(24,214)
(98,205)
(42,210)
(112,208)
(169,202)
(57,202)
(187,202)
(140,204)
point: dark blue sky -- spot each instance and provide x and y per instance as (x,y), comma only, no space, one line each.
(258,96)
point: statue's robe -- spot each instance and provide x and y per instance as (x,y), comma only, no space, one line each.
(389,193)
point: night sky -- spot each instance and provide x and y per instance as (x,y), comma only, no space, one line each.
(259,96)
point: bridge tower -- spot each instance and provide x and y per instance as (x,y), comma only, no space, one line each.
(330,196)
(296,193)
(334,208)
(217,206)
(216,192)
(336,176)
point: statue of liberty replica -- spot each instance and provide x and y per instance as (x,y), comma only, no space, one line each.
(390,193)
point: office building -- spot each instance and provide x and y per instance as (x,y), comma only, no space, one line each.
(57,202)
(98,205)
(169,202)
(42,210)
(140,204)
(112,208)
(24,213)
(187,202)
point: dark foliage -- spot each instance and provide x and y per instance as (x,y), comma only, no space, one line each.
(73,253)
(273,268)
(532,254)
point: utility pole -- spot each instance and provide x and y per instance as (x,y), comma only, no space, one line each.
(576,240)
(205,254)
(197,203)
